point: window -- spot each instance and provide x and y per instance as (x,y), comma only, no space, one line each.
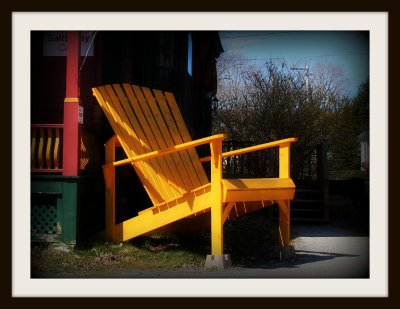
(189,58)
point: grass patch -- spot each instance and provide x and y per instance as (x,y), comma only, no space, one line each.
(248,239)
(151,252)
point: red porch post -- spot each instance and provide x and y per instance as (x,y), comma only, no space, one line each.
(71,136)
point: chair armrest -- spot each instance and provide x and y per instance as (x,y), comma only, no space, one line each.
(254,148)
(163,152)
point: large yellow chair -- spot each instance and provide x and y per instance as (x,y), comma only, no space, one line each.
(149,127)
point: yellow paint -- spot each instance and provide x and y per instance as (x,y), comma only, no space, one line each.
(258,184)
(84,156)
(132,133)
(171,133)
(48,147)
(284,222)
(109,178)
(284,160)
(258,195)
(200,190)
(257,189)
(254,148)
(56,152)
(71,100)
(181,127)
(150,128)
(226,211)
(142,224)
(45,147)
(150,137)
(145,172)
(40,148)
(169,150)
(149,122)
(216,198)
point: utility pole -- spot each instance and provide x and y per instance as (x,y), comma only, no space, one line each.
(307,74)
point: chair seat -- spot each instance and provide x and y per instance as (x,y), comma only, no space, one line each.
(246,190)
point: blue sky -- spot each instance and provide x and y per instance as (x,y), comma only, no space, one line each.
(348,49)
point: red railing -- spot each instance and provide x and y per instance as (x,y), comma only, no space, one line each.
(46,148)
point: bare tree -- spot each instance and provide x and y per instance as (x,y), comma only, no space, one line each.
(275,100)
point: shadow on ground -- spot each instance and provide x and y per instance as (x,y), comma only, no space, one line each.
(248,239)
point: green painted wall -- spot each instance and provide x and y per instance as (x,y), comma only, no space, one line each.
(51,193)
(66,208)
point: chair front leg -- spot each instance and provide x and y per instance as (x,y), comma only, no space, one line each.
(217,260)
(217,221)
(109,178)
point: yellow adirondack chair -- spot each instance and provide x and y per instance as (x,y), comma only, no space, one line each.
(149,127)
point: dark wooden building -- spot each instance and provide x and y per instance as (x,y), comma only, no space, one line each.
(69,129)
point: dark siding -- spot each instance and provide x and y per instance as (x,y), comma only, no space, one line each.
(156,59)
(47,83)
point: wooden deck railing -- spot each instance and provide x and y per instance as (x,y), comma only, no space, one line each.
(256,164)
(46,148)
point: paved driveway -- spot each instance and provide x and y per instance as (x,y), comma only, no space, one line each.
(323,251)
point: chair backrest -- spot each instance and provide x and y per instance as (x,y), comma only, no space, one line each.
(145,120)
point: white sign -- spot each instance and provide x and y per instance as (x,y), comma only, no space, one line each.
(55,43)
(80,114)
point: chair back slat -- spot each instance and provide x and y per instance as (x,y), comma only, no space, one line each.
(146,120)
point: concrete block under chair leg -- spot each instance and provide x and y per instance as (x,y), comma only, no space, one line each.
(218,262)
(283,254)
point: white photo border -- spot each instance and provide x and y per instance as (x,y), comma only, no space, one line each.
(374,22)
